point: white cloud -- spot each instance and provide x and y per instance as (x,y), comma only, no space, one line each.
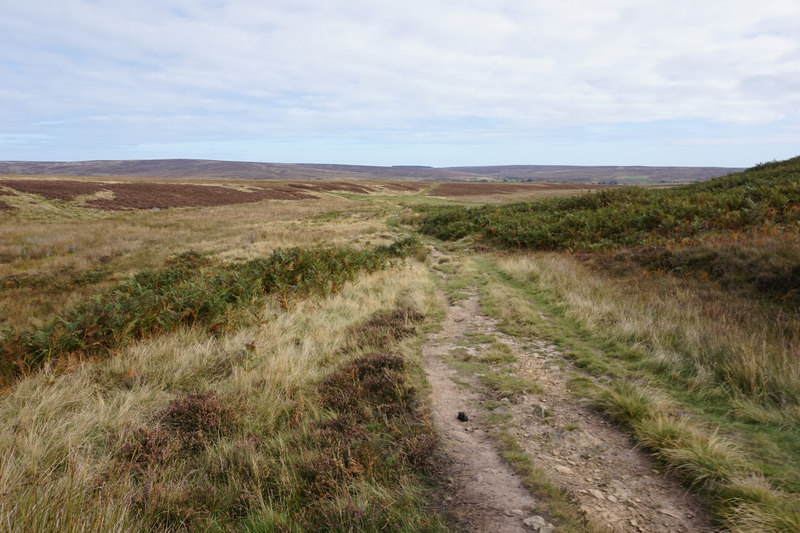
(183,71)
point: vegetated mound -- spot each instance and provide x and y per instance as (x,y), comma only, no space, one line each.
(191,290)
(766,197)
(456,189)
(751,265)
(146,195)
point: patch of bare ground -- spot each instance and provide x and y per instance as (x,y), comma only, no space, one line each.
(615,484)
(485,493)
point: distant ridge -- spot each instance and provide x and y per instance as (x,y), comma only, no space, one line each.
(212,169)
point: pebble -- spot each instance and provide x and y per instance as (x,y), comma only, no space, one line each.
(563,469)
(538,523)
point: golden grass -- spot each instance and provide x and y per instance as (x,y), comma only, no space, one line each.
(63,428)
(65,424)
(728,342)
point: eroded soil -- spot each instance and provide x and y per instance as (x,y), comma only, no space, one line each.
(615,485)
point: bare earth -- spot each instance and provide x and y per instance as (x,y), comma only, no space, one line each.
(488,495)
(615,484)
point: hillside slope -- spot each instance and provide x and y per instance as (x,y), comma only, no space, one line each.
(764,197)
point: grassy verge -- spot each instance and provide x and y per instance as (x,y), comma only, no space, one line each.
(738,450)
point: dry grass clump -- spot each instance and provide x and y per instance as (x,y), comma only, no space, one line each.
(727,342)
(190,430)
(740,497)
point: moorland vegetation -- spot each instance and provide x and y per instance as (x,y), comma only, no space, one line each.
(684,301)
(255,367)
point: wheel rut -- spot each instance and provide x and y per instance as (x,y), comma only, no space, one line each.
(487,494)
(616,486)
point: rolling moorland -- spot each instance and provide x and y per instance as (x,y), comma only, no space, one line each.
(209,169)
(239,355)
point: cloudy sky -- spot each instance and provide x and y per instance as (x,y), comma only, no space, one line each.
(431,82)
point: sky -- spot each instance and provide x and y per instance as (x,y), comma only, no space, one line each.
(413,82)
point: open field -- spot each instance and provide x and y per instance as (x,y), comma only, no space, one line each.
(235,355)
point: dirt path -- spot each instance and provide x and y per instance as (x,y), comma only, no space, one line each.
(488,495)
(616,485)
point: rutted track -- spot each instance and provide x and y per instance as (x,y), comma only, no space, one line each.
(614,484)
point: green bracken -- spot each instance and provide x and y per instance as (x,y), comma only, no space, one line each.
(191,290)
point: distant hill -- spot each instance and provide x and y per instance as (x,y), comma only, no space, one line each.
(210,169)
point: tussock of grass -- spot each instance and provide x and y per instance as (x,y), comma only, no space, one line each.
(702,458)
(509,386)
(627,403)
(497,353)
(752,506)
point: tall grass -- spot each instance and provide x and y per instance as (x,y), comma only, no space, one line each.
(703,341)
(59,245)
(265,374)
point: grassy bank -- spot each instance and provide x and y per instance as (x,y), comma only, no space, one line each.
(191,290)
(766,198)
(694,385)
(303,422)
